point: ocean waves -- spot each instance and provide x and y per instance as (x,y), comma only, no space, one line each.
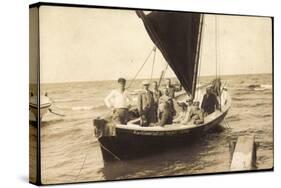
(83,107)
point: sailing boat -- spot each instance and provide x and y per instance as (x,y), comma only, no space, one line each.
(178,36)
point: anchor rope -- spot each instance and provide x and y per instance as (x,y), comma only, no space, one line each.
(109,152)
(82,165)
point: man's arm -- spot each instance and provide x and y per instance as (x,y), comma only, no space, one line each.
(108,98)
(190,115)
(164,117)
(216,102)
(140,104)
(201,116)
(178,88)
(129,99)
(203,102)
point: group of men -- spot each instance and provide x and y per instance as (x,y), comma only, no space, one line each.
(156,107)
(191,111)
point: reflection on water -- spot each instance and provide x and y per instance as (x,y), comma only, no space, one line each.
(71,153)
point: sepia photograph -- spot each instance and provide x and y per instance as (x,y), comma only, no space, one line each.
(123,93)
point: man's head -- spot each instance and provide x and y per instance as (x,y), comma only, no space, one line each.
(196,104)
(122,83)
(189,102)
(145,84)
(154,85)
(168,82)
(208,90)
(166,92)
(183,106)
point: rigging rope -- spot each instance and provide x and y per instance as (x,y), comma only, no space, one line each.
(154,49)
(216,47)
(163,72)
(140,68)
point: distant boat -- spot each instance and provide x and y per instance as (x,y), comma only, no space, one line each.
(45,104)
(259,87)
(178,36)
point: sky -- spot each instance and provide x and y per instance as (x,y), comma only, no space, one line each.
(89,44)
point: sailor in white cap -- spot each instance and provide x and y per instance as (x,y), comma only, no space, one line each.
(146,105)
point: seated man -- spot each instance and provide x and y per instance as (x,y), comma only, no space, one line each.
(165,114)
(185,114)
(166,110)
(182,114)
(196,114)
(210,102)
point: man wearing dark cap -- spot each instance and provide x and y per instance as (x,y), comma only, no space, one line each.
(119,100)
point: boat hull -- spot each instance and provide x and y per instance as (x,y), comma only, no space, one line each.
(126,144)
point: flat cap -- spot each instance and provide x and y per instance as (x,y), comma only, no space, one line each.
(121,80)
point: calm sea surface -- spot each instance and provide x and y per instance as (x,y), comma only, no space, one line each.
(70,151)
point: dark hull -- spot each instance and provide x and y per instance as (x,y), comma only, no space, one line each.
(128,144)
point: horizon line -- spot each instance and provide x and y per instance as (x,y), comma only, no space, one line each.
(63,82)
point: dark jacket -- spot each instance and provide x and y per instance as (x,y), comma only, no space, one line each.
(171,91)
(165,115)
(146,107)
(209,103)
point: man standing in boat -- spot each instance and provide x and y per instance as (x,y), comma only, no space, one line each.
(171,89)
(146,106)
(119,100)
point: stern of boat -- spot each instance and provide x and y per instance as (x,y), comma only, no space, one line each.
(103,128)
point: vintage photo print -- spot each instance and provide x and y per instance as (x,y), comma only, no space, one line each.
(121,93)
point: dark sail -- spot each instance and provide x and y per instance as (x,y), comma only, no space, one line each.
(176,36)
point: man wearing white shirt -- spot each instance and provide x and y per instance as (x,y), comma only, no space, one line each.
(119,101)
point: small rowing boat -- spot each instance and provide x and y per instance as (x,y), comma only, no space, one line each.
(45,104)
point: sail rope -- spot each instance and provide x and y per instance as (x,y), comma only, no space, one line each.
(217,47)
(217,52)
(162,76)
(200,57)
(154,56)
(133,80)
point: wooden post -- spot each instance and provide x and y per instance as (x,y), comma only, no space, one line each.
(244,155)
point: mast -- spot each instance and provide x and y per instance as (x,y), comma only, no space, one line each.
(197,57)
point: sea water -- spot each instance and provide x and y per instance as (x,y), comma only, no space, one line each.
(71,153)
